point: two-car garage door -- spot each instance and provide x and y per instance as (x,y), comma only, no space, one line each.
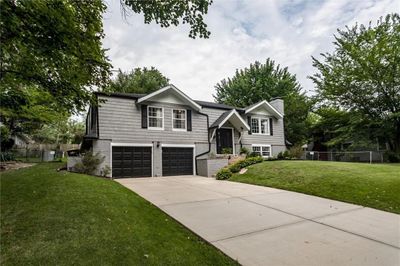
(137,161)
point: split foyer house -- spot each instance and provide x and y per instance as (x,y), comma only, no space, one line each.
(165,132)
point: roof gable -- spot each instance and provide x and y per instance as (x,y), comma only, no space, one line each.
(172,94)
(233,117)
(266,106)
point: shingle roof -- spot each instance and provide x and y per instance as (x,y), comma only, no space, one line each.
(220,119)
(139,95)
(217,105)
(121,94)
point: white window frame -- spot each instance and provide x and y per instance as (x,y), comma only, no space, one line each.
(267,132)
(172,119)
(261,151)
(148,118)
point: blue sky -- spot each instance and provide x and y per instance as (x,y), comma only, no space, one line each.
(242,31)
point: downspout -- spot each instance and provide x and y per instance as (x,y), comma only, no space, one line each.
(208,139)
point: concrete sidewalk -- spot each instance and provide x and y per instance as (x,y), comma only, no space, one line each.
(264,226)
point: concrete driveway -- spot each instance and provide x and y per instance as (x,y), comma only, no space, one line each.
(264,226)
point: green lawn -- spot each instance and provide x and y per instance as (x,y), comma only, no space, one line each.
(61,218)
(376,185)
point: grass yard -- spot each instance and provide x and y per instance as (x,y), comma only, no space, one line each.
(376,185)
(61,218)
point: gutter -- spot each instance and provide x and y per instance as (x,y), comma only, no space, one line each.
(208,139)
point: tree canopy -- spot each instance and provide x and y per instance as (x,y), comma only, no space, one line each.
(138,81)
(362,77)
(265,82)
(54,46)
(52,57)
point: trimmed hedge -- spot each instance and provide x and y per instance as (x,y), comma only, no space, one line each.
(226,173)
(223,174)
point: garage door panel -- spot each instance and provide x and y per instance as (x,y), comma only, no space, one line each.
(131,161)
(177,161)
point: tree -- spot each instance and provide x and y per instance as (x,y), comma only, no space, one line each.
(268,81)
(24,111)
(362,76)
(62,131)
(169,12)
(56,45)
(138,81)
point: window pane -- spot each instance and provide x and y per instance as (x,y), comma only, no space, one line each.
(155,122)
(155,112)
(254,126)
(179,124)
(257,150)
(266,151)
(264,126)
(179,114)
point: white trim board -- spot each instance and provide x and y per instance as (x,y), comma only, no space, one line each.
(178,145)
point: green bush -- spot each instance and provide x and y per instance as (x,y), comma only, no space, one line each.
(6,156)
(296,152)
(253,154)
(286,155)
(254,160)
(392,157)
(223,174)
(227,151)
(280,156)
(244,150)
(89,164)
(235,168)
(226,173)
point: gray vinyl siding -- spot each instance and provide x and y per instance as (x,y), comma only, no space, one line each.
(120,121)
(277,138)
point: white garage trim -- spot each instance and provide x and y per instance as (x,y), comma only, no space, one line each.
(121,144)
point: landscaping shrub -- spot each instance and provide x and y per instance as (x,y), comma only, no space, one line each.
(227,151)
(253,154)
(254,160)
(6,156)
(223,174)
(296,152)
(89,163)
(244,150)
(235,168)
(280,156)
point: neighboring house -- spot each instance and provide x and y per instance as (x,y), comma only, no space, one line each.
(164,133)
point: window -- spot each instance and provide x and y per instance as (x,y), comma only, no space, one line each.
(265,126)
(155,115)
(260,126)
(262,150)
(254,126)
(179,119)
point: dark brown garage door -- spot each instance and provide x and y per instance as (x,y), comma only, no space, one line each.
(131,162)
(177,161)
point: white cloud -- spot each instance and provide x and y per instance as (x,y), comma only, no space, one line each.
(242,32)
